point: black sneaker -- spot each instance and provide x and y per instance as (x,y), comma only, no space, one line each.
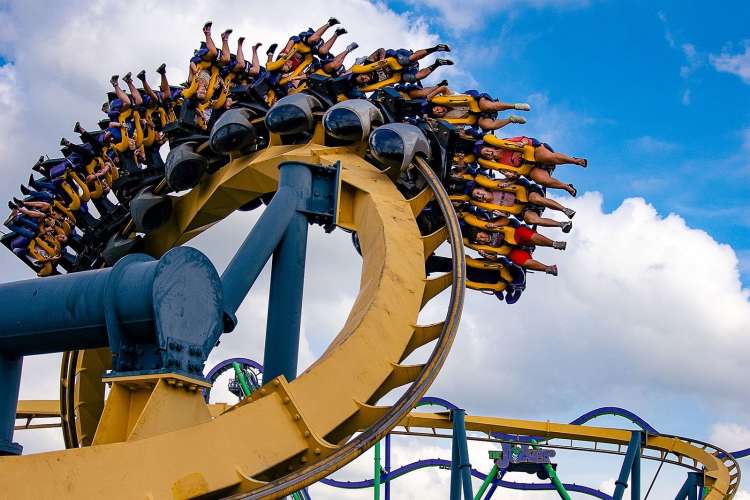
(332,21)
(341,31)
(162,69)
(141,75)
(566,227)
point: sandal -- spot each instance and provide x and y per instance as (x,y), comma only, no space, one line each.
(207,27)
(572,188)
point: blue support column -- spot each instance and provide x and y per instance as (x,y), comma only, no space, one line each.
(689,490)
(387,467)
(455,492)
(250,259)
(10,375)
(633,452)
(287,279)
(635,475)
(491,491)
(460,465)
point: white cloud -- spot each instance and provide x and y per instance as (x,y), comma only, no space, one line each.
(651,145)
(686,96)
(475,13)
(730,436)
(668,37)
(734,63)
(646,310)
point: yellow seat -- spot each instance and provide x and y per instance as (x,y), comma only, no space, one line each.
(124,144)
(486,287)
(456,100)
(509,232)
(85,194)
(524,169)
(306,62)
(503,250)
(526,149)
(467,158)
(521,193)
(390,62)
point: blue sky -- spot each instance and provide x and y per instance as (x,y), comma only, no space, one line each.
(638,93)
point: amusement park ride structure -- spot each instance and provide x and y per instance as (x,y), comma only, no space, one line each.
(145,327)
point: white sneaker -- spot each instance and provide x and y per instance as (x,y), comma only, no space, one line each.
(517,119)
(522,106)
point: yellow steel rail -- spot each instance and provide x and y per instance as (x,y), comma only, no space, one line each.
(721,480)
(290,434)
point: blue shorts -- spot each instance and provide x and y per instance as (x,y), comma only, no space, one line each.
(199,53)
(478,95)
(401,55)
(409,76)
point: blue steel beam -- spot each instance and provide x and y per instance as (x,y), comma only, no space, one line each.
(288,278)
(154,315)
(10,375)
(633,453)
(460,465)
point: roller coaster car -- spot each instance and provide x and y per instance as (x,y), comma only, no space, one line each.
(184,166)
(459,100)
(495,276)
(251,96)
(127,186)
(394,106)
(149,210)
(531,468)
(97,235)
(517,158)
(7,239)
(236,131)
(329,90)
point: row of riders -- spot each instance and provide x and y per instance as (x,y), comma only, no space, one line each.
(73,206)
